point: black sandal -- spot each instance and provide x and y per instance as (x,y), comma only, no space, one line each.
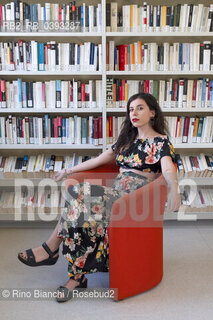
(64,294)
(31,258)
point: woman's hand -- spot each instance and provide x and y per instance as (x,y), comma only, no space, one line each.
(61,174)
(173,200)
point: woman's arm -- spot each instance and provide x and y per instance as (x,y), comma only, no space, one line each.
(105,157)
(170,174)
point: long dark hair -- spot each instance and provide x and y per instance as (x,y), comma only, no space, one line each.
(128,132)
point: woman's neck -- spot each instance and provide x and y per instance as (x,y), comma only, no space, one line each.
(145,135)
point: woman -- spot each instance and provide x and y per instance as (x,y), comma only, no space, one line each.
(142,151)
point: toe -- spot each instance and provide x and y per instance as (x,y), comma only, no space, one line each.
(23,255)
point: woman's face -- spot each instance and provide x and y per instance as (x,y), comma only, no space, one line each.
(139,113)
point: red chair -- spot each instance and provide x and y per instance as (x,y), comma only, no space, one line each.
(136,238)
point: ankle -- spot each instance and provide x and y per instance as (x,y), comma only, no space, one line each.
(53,246)
(72,280)
(80,278)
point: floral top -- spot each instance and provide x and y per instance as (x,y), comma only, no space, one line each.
(145,154)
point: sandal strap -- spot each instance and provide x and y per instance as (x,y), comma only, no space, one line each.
(80,280)
(56,251)
(30,256)
(51,254)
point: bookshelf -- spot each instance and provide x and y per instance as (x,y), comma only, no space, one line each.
(102,38)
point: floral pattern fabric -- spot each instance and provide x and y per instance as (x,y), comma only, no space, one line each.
(145,154)
(83,224)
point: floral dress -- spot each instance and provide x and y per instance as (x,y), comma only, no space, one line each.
(145,154)
(83,224)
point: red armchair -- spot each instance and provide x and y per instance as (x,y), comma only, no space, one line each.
(136,238)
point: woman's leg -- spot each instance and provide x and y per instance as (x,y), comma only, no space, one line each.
(84,229)
(53,243)
(85,240)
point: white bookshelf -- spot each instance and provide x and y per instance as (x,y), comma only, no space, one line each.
(157,34)
(169,110)
(46,217)
(102,38)
(50,146)
(107,73)
(160,73)
(208,146)
(40,216)
(98,110)
(10,182)
(201,146)
(188,216)
(50,73)
(49,34)
(53,34)
(50,111)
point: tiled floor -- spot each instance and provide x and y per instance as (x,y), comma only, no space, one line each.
(185,292)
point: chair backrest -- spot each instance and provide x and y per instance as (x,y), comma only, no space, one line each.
(143,207)
(109,167)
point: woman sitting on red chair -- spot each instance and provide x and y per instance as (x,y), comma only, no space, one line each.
(142,151)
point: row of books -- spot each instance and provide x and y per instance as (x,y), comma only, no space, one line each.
(48,201)
(84,130)
(201,201)
(113,128)
(38,202)
(20,16)
(50,56)
(182,129)
(193,18)
(159,18)
(44,165)
(51,130)
(191,129)
(50,94)
(152,56)
(194,165)
(171,93)
(38,166)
